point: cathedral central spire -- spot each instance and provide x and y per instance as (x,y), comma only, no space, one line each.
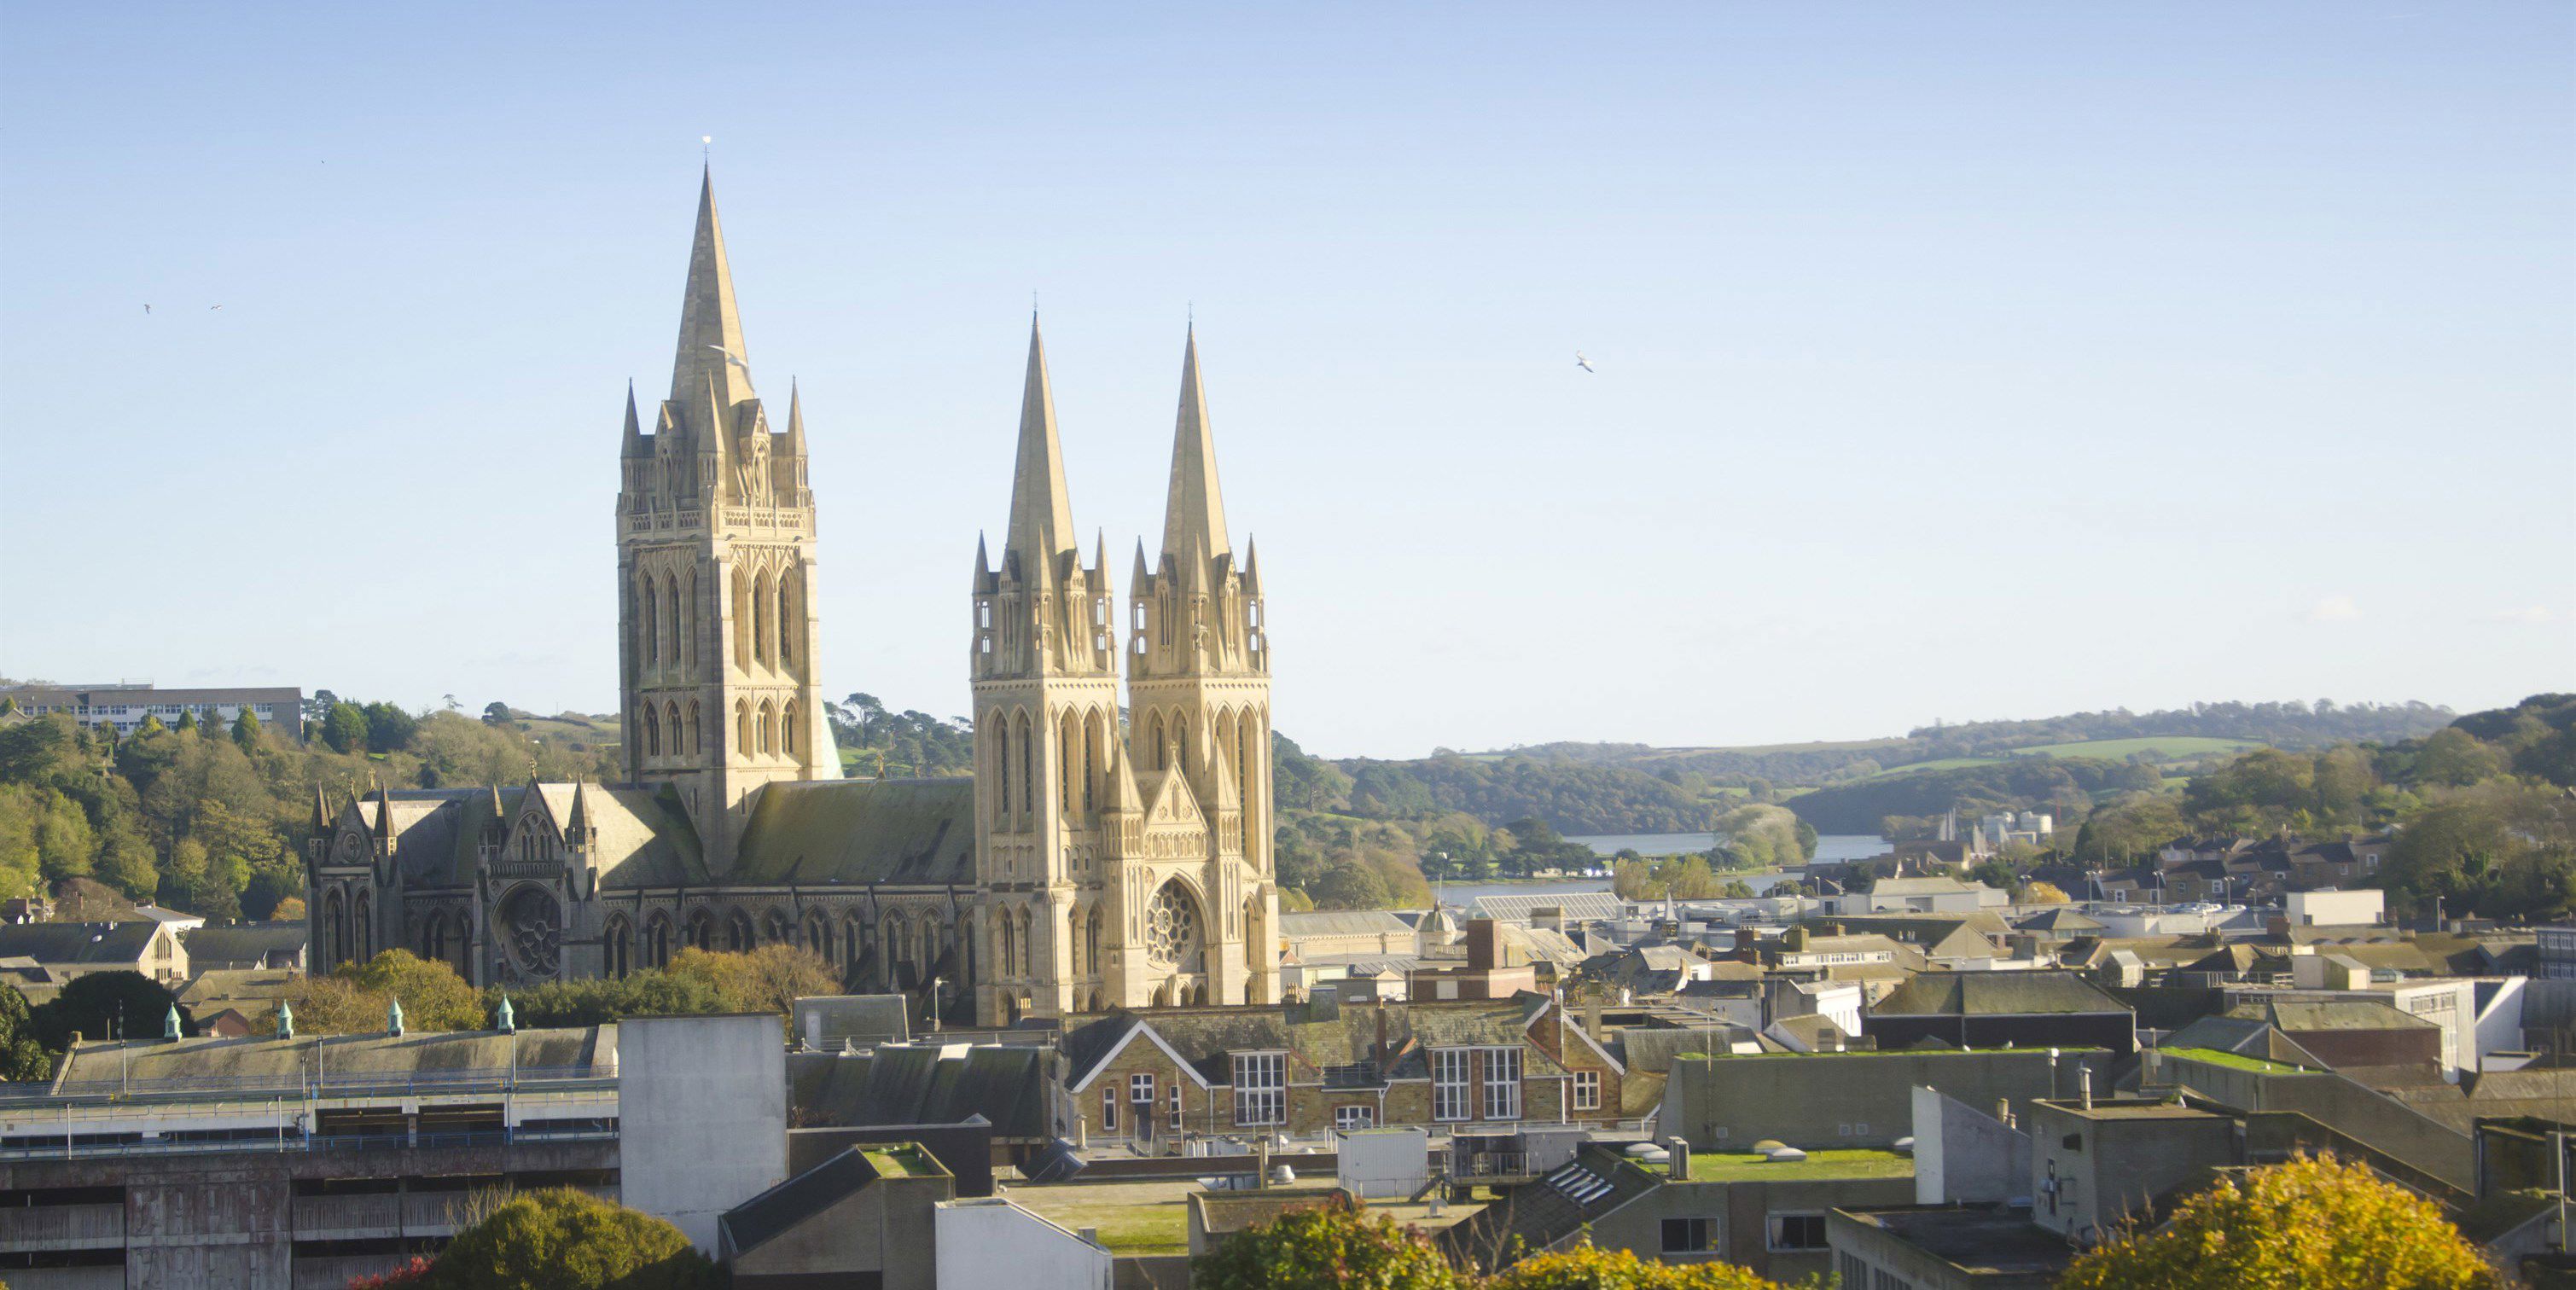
(1041,511)
(711,348)
(1194,510)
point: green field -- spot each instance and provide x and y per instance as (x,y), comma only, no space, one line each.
(1945,763)
(2164,747)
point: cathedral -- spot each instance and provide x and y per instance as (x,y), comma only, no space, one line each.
(1111,849)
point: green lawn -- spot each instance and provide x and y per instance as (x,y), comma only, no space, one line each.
(2163,747)
(1742,1166)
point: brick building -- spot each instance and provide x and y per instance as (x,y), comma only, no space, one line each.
(1153,1076)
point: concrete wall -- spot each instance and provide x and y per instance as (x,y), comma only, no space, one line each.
(2380,1123)
(1738,1215)
(1383,1163)
(2093,1172)
(2334,908)
(1845,1099)
(702,1106)
(1962,1154)
(996,1243)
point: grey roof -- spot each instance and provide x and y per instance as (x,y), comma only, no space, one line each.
(783,1208)
(1343,922)
(1577,906)
(2300,1015)
(2062,919)
(900,1084)
(1206,1038)
(897,832)
(1996,994)
(100,944)
(245,945)
(272,1063)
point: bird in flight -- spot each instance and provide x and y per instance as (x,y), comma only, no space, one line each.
(147,309)
(214,306)
(1582,362)
(733,358)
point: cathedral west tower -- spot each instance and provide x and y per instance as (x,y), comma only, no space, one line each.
(1045,669)
(1199,698)
(716,576)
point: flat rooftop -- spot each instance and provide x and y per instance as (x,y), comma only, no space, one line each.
(1747,1166)
(2104,1109)
(1976,1238)
(1152,1216)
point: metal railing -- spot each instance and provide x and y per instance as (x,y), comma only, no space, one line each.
(38,1148)
(310,1082)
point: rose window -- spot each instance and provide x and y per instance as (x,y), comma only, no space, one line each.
(534,931)
(1171,926)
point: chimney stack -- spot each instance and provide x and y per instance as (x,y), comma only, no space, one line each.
(2084,1085)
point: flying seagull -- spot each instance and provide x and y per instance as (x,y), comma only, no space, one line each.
(733,358)
(1582,362)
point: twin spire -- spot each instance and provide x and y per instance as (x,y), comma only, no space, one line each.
(1041,528)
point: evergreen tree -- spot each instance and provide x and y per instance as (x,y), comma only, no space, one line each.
(246,731)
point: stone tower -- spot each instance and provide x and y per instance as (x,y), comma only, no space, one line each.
(1045,667)
(716,576)
(1199,701)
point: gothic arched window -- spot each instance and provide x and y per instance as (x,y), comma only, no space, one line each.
(652,732)
(818,937)
(741,727)
(1000,744)
(738,936)
(615,944)
(760,625)
(702,930)
(693,728)
(768,716)
(742,620)
(687,612)
(1091,942)
(648,602)
(671,618)
(1162,750)
(657,940)
(1010,946)
(787,632)
(779,933)
(1090,759)
(671,722)
(1028,768)
(787,728)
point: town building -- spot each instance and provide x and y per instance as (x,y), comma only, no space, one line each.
(294,1161)
(125,707)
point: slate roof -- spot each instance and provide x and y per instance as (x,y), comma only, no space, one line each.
(2295,1016)
(1996,994)
(84,944)
(1207,1038)
(245,946)
(897,832)
(2062,920)
(926,1083)
(1343,922)
(1543,1213)
(792,1203)
(638,839)
(1578,906)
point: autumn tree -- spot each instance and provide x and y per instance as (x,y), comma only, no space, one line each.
(2042,893)
(768,979)
(352,999)
(2315,1222)
(561,1239)
(1588,1267)
(1328,1247)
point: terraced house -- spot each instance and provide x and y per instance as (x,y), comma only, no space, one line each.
(1156,1075)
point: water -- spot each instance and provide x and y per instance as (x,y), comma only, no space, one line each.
(1830,847)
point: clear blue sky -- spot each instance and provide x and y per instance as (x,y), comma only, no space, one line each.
(1955,361)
